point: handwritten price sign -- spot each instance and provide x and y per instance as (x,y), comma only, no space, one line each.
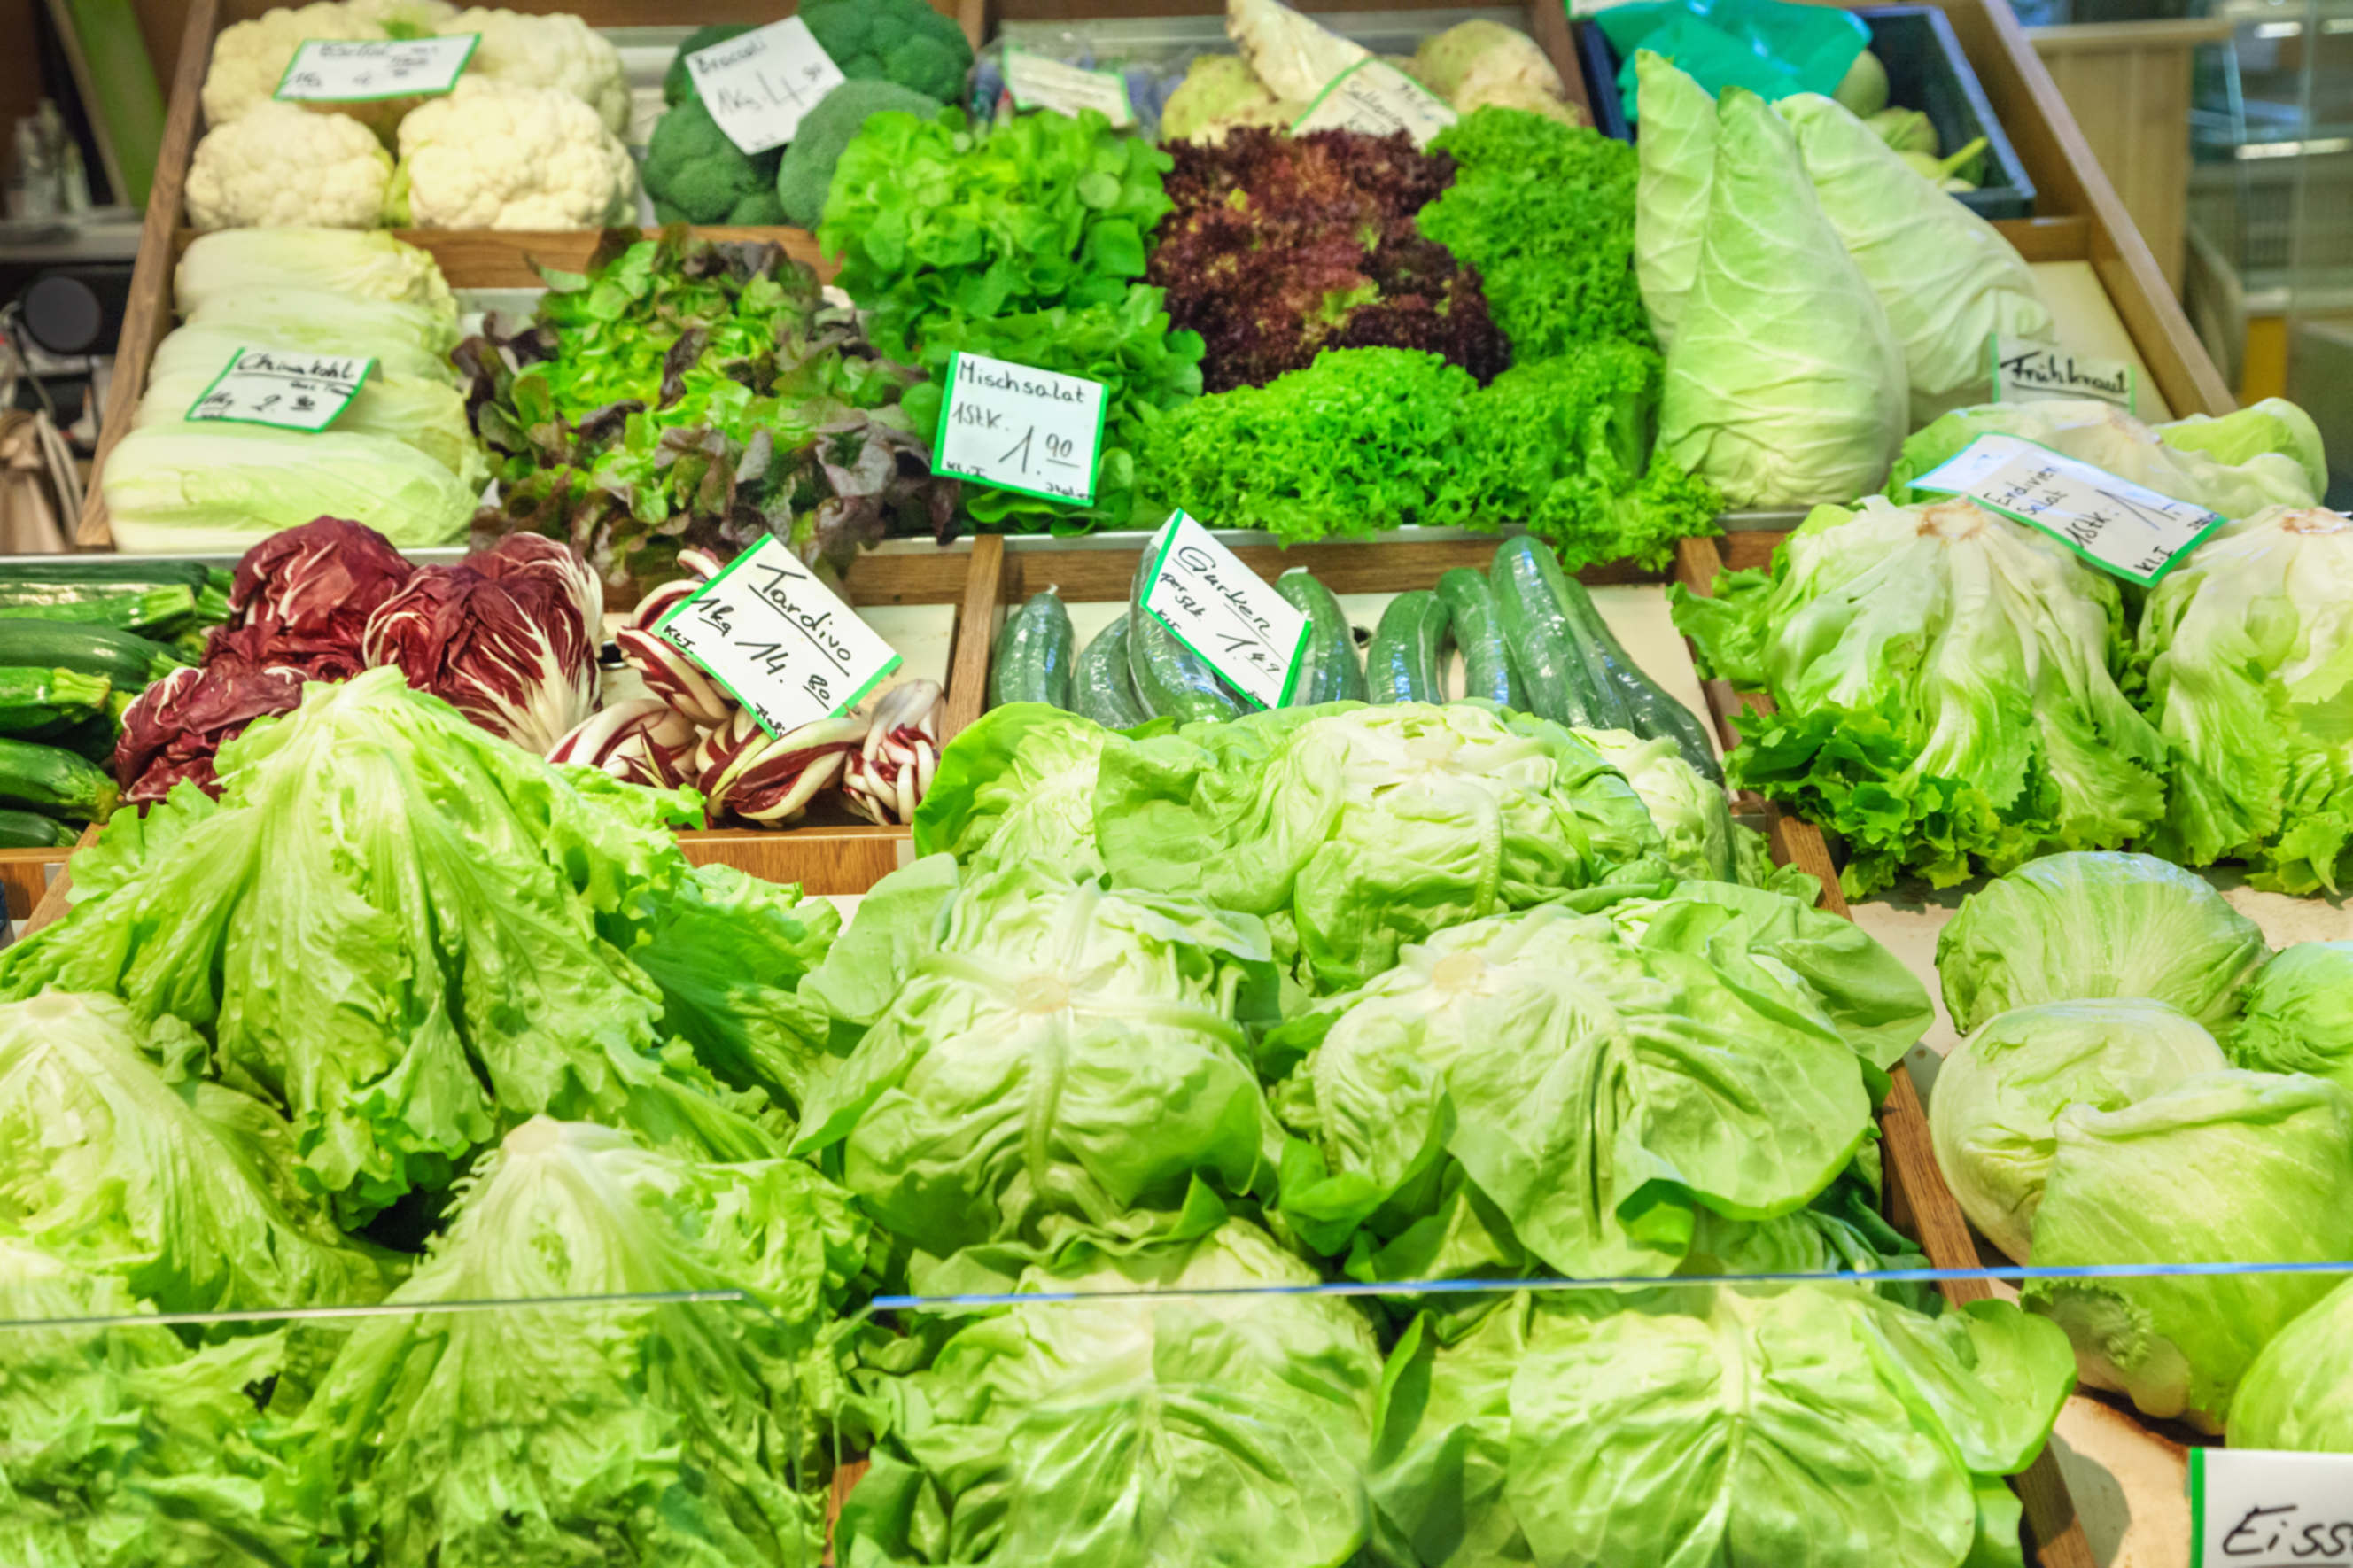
(336,70)
(1226,613)
(1013,427)
(2251,1508)
(2127,530)
(758,85)
(781,642)
(291,390)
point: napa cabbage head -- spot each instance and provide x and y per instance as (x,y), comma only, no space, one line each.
(211,488)
(2076,926)
(1995,1111)
(2224,1167)
(427,413)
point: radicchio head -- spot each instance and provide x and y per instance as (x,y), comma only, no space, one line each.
(172,729)
(302,598)
(889,775)
(643,741)
(744,772)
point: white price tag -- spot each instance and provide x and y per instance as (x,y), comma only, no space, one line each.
(291,390)
(2253,1508)
(781,642)
(2025,372)
(2122,527)
(1014,428)
(758,84)
(1376,98)
(344,70)
(1226,613)
(1039,81)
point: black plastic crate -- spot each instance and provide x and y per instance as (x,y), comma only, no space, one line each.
(1926,71)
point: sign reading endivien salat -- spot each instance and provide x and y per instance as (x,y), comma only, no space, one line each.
(1226,613)
(288,388)
(781,642)
(2251,1508)
(2127,530)
(1014,428)
(361,70)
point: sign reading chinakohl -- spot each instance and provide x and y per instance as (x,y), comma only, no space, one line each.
(1226,614)
(1014,428)
(2250,1508)
(757,85)
(2123,529)
(780,641)
(291,389)
(356,70)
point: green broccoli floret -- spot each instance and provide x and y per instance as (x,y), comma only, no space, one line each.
(678,82)
(693,169)
(903,41)
(759,210)
(805,172)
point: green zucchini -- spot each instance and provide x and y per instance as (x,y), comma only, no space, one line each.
(158,611)
(1406,660)
(1101,688)
(1648,712)
(141,570)
(126,658)
(1478,631)
(39,699)
(92,737)
(31,830)
(50,780)
(1329,671)
(1535,628)
(1033,655)
(1170,678)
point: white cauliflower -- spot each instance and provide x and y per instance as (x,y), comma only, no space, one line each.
(496,156)
(249,60)
(404,18)
(557,51)
(279,166)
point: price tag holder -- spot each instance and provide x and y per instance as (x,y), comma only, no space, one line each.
(2025,372)
(1013,427)
(292,391)
(1376,98)
(1041,81)
(1226,613)
(2253,1508)
(2123,529)
(780,641)
(353,70)
(758,84)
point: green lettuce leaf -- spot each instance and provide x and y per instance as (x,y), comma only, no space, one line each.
(2298,1394)
(1018,785)
(2297,1016)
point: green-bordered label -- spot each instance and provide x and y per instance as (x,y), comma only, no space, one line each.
(2253,1508)
(1014,428)
(1227,614)
(1376,98)
(291,389)
(1041,81)
(363,70)
(757,85)
(2127,530)
(783,643)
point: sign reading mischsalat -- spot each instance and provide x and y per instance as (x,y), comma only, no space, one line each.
(1226,613)
(758,84)
(2026,372)
(356,70)
(781,642)
(288,388)
(1014,428)
(2253,1508)
(2123,529)
(1376,98)
(1041,81)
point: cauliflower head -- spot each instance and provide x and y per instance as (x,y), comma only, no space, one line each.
(903,41)
(249,60)
(404,18)
(555,51)
(494,155)
(281,167)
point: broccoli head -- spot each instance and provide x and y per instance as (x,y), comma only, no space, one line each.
(903,41)
(693,170)
(805,172)
(678,82)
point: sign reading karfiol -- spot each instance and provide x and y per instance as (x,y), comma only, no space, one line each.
(1014,428)
(758,84)
(356,70)
(1041,81)
(781,642)
(2253,1508)
(1226,613)
(291,389)
(2127,530)
(2027,372)
(1376,98)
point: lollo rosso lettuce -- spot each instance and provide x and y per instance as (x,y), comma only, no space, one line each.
(1945,686)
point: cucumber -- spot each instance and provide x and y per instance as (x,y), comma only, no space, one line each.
(31,830)
(1328,669)
(1101,688)
(1033,655)
(1536,631)
(40,698)
(1406,662)
(1478,631)
(1171,679)
(126,658)
(1648,712)
(158,610)
(46,779)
